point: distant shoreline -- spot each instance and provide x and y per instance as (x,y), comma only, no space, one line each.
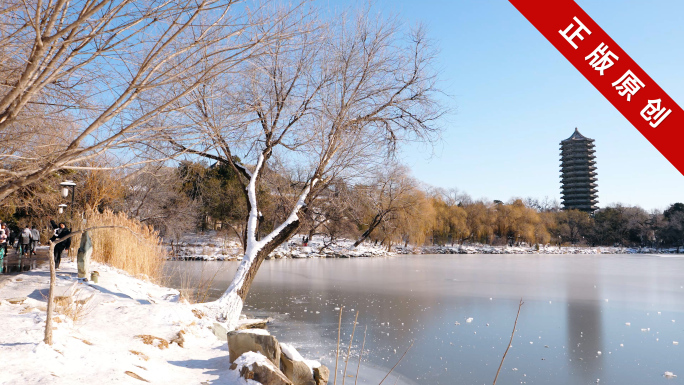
(210,247)
(486,249)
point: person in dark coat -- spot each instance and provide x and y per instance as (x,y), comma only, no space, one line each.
(17,236)
(61,232)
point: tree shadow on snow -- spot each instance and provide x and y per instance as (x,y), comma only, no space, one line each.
(120,295)
(39,295)
(32,273)
(45,274)
(216,366)
(17,343)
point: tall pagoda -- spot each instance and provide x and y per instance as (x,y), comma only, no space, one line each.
(578,173)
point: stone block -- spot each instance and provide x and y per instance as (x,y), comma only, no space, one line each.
(240,342)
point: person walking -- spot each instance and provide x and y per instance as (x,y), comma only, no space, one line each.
(4,236)
(35,239)
(25,240)
(3,245)
(61,232)
(16,236)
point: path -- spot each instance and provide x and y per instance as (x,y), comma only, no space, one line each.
(13,264)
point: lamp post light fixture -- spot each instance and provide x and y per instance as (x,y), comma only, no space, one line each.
(65,193)
(61,208)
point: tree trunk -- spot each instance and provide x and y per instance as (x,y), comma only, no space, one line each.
(376,221)
(231,302)
(51,296)
(53,278)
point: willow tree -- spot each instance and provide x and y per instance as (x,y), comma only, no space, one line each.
(412,223)
(450,223)
(480,221)
(392,203)
(333,100)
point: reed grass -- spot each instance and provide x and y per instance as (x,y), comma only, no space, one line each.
(135,247)
(351,341)
(197,289)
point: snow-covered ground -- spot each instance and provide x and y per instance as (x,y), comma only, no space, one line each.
(210,246)
(543,249)
(106,343)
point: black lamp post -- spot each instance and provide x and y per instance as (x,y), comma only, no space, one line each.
(65,193)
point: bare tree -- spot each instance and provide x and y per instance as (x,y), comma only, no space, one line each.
(328,102)
(390,192)
(330,214)
(154,197)
(86,77)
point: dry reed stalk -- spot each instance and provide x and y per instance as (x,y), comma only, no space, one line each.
(351,340)
(395,365)
(204,286)
(509,343)
(75,309)
(198,291)
(337,356)
(141,255)
(363,345)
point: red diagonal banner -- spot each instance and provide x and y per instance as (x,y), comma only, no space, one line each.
(611,71)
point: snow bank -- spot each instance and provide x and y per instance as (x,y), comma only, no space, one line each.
(543,249)
(210,246)
(106,343)
(292,353)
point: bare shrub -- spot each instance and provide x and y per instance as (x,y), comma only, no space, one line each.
(73,305)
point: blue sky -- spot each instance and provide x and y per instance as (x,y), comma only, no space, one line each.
(515,98)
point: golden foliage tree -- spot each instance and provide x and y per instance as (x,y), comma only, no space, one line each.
(451,220)
(480,221)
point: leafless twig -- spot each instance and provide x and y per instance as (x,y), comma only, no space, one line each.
(337,356)
(509,343)
(395,365)
(363,345)
(346,362)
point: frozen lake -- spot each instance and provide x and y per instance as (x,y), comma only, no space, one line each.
(575,307)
